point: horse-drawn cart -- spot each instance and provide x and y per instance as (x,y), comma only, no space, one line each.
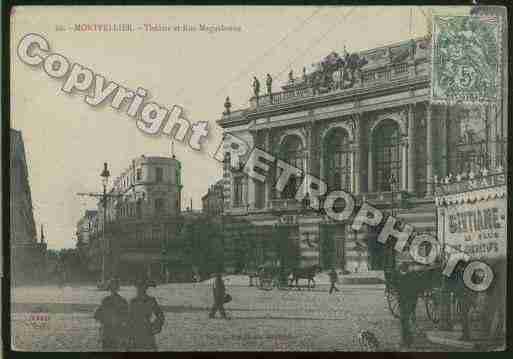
(270,276)
(274,276)
(430,276)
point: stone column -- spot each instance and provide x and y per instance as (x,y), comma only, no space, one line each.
(356,160)
(444,128)
(353,177)
(492,142)
(269,177)
(251,183)
(370,173)
(251,195)
(404,167)
(308,153)
(411,149)
(322,156)
(429,151)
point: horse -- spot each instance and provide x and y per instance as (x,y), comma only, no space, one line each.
(305,273)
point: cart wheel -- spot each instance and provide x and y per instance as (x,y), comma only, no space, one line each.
(432,302)
(392,301)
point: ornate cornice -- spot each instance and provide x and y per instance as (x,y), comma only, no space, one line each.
(309,103)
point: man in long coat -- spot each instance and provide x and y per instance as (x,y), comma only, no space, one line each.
(113,316)
(219,292)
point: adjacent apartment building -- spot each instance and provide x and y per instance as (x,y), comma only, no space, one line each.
(212,201)
(142,216)
(27,254)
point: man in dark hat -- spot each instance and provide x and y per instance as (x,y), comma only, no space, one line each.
(142,309)
(333,280)
(219,296)
(113,316)
(410,285)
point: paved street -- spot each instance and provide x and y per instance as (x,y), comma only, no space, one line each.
(261,320)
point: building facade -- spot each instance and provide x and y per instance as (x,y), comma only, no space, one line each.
(87,242)
(362,123)
(141,217)
(212,201)
(27,254)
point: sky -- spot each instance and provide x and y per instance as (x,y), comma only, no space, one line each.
(67,141)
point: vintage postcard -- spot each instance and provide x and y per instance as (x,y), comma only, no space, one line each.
(285,178)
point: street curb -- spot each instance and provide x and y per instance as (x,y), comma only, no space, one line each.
(444,338)
(361,280)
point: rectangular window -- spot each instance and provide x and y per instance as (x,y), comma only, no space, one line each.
(138,174)
(159,206)
(237,191)
(138,209)
(139,234)
(156,233)
(159,174)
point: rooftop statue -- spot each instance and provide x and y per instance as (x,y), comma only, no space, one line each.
(269,83)
(334,71)
(256,87)
(227,106)
(291,76)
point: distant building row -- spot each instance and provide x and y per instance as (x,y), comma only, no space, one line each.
(141,216)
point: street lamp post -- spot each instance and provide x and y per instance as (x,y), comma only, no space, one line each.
(103,197)
(105,181)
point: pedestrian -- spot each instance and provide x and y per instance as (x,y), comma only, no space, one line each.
(219,292)
(333,280)
(409,286)
(143,308)
(113,317)
(464,296)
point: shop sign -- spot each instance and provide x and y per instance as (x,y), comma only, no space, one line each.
(478,229)
(471,184)
(288,219)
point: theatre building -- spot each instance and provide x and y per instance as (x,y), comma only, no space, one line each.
(362,123)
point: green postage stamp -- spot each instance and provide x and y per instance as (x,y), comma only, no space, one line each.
(466,59)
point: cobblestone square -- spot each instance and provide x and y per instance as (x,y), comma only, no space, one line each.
(291,320)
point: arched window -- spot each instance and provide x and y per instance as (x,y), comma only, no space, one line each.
(387,154)
(470,141)
(291,152)
(337,160)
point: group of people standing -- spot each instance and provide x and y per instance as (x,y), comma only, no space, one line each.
(129,326)
(133,326)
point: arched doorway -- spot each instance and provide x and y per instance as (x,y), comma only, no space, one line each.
(386,154)
(291,152)
(337,160)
